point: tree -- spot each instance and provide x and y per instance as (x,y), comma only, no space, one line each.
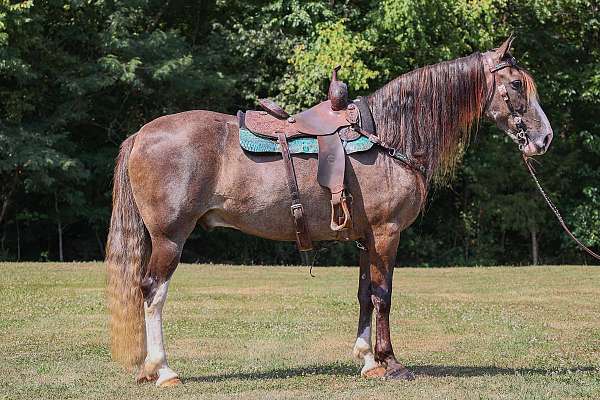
(77,77)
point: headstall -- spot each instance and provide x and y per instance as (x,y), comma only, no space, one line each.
(519,137)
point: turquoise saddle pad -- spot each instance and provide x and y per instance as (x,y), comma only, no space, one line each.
(305,145)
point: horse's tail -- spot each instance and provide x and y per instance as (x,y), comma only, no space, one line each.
(127,254)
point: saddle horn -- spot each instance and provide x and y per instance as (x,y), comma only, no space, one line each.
(338,92)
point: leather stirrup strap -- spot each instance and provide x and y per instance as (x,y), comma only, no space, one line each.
(302,233)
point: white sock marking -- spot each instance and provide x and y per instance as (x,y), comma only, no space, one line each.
(156,358)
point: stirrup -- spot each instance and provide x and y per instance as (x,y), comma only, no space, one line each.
(340,199)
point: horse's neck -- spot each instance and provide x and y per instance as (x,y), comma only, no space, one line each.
(427,113)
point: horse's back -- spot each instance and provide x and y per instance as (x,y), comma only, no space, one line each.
(188,125)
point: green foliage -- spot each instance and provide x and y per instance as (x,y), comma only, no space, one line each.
(413,33)
(333,44)
(587,217)
(77,77)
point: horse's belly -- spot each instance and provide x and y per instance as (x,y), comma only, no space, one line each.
(254,197)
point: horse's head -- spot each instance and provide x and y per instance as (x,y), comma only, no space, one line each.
(513,104)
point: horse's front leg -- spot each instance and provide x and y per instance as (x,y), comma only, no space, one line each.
(382,256)
(362,348)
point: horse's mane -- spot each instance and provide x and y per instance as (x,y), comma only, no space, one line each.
(428,113)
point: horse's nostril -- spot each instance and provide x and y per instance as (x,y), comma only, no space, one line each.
(546,140)
(542,142)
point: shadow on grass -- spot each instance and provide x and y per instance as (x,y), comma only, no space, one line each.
(333,369)
(352,370)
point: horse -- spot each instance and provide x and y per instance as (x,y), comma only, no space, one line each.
(188,169)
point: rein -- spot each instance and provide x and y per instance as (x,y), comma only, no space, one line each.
(555,210)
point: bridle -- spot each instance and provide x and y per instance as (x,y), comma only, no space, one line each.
(519,137)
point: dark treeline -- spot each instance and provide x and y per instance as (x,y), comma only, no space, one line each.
(78,76)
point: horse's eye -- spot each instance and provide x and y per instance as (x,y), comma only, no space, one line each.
(517,85)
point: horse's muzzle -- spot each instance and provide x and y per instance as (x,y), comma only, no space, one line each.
(538,144)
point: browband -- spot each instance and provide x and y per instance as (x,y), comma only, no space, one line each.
(510,62)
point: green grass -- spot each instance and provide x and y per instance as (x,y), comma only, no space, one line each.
(275,332)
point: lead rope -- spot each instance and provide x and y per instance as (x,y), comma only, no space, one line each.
(555,210)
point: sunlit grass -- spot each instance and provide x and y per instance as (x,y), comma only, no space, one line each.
(275,332)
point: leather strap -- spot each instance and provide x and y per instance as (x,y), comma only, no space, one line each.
(509,62)
(367,128)
(241,116)
(302,234)
(367,123)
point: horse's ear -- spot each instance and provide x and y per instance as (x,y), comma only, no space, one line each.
(504,48)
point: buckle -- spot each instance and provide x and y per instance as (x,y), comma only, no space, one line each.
(297,211)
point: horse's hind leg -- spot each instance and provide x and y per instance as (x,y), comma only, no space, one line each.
(163,261)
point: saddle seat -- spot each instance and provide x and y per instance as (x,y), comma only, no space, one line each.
(319,120)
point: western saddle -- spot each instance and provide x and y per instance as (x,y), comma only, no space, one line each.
(331,122)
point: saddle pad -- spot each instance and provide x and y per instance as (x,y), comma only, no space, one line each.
(302,145)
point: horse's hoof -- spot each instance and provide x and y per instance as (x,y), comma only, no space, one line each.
(171,382)
(402,374)
(376,372)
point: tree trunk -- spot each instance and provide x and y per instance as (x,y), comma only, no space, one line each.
(18,240)
(2,239)
(534,244)
(4,207)
(60,229)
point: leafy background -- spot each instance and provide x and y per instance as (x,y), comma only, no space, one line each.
(78,76)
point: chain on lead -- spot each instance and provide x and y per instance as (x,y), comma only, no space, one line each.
(521,137)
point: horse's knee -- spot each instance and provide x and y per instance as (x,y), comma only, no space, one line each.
(165,257)
(382,299)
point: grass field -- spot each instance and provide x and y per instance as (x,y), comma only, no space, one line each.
(275,332)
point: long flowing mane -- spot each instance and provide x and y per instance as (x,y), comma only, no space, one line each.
(428,113)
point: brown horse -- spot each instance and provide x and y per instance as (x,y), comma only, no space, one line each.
(187,169)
